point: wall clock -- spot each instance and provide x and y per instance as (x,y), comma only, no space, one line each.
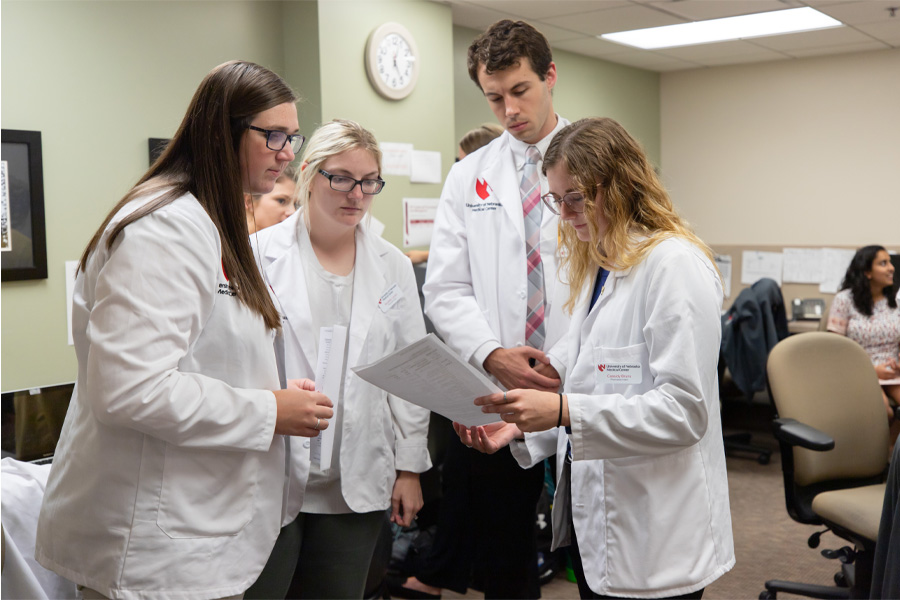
(392,61)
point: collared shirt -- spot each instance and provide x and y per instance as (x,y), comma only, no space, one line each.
(519,147)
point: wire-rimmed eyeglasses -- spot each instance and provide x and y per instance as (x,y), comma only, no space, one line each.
(342,183)
(277,140)
(574,201)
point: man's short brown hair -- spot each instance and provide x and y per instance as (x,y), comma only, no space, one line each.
(504,45)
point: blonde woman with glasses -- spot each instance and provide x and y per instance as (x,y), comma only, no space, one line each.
(325,268)
(642,495)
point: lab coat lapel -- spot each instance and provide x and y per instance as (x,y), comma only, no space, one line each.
(369,283)
(503,187)
(286,276)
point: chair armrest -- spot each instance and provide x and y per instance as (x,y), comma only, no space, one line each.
(795,433)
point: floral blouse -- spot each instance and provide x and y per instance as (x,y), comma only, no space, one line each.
(878,334)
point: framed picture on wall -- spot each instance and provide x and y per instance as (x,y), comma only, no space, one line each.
(23,242)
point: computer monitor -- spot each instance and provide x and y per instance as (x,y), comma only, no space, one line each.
(32,420)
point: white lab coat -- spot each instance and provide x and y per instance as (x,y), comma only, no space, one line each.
(381,433)
(168,478)
(649,497)
(476,283)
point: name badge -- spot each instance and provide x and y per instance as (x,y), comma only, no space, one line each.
(390,298)
(620,372)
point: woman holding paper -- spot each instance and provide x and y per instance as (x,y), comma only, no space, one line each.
(641,494)
(327,271)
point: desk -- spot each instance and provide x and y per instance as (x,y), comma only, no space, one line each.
(803,326)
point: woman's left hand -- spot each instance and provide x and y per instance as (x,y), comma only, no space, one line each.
(406,500)
(530,410)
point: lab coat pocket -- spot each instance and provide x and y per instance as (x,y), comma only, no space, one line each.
(199,496)
(625,367)
(660,519)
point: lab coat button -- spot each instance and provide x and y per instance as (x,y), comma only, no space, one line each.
(521,294)
(306,444)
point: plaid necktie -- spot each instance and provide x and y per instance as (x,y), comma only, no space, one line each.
(530,187)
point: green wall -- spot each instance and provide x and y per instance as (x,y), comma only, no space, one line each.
(424,118)
(98,78)
(587,87)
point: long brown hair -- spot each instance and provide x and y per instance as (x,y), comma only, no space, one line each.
(202,160)
(599,154)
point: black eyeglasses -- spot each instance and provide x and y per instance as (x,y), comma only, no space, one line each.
(574,201)
(342,183)
(276,140)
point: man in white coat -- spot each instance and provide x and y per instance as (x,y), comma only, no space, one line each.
(491,290)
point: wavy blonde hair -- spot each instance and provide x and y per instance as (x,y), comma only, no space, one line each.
(600,156)
(331,139)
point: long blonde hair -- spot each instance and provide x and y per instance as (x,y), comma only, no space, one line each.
(600,155)
(331,139)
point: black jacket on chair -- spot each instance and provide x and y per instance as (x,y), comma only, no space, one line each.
(750,329)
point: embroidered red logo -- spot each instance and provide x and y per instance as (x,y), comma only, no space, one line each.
(601,368)
(481,188)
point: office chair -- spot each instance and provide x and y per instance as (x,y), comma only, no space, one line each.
(834,440)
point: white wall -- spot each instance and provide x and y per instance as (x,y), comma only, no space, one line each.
(799,152)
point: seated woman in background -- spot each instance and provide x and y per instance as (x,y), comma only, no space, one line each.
(325,269)
(865,310)
(265,210)
(641,494)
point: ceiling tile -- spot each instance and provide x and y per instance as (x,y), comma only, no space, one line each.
(721,53)
(702,10)
(529,9)
(886,31)
(614,19)
(652,61)
(843,49)
(591,46)
(862,12)
(475,17)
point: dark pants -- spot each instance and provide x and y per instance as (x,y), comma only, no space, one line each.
(486,525)
(320,556)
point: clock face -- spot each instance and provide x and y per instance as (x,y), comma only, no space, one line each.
(395,61)
(391,61)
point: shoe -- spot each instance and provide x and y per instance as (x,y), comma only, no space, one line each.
(398,590)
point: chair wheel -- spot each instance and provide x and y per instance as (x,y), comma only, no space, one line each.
(767,595)
(841,580)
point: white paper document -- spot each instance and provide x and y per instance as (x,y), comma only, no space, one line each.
(396,158)
(426,167)
(418,220)
(803,265)
(756,265)
(834,266)
(431,375)
(328,381)
(723,262)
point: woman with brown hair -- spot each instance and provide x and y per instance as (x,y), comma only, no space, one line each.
(169,475)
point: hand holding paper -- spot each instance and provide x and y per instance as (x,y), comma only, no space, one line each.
(431,375)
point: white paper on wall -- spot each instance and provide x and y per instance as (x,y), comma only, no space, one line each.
(755,265)
(803,265)
(723,262)
(418,221)
(426,167)
(834,266)
(396,158)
